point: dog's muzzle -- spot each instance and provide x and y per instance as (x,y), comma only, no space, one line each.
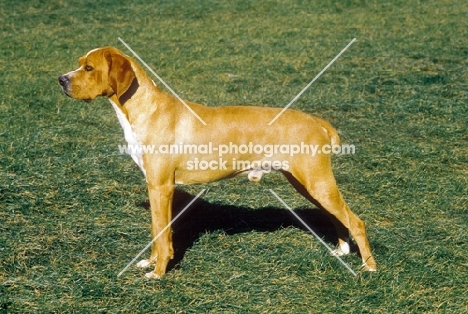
(64,81)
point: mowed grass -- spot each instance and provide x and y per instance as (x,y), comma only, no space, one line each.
(74,211)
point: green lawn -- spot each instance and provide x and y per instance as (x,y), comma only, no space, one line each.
(73,211)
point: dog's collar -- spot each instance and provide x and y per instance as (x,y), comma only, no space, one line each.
(130,92)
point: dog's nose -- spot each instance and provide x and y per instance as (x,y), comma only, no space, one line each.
(63,80)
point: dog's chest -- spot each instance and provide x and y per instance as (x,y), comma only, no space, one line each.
(134,148)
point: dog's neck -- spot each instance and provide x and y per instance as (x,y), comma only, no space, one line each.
(142,87)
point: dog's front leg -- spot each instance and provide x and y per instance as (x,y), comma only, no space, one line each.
(161,214)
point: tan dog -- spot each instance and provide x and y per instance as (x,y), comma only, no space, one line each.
(152,117)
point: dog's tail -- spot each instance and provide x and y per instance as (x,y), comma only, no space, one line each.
(331,131)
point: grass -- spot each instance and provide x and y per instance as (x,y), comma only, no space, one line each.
(74,211)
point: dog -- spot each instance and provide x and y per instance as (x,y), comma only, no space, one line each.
(150,116)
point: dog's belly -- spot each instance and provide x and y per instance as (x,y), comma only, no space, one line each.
(203,176)
(200,169)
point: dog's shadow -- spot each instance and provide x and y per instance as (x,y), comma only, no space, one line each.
(203,216)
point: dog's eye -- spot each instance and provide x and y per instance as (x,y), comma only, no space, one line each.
(88,68)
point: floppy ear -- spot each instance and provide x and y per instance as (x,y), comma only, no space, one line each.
(121,74)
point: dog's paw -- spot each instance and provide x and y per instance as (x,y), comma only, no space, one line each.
(255,175)
(152,275)
(366,267)
(342,249)
(143,263)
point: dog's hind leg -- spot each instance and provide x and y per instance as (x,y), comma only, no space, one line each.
(343,247)
(324,193)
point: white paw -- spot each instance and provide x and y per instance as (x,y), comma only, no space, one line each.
(152,275)
(143,263)
(255,175)
(343,249)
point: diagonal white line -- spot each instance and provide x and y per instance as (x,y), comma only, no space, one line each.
(161,80)
(160,233)
(312,231)
(311,82)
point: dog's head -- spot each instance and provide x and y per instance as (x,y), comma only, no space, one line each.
(103,72)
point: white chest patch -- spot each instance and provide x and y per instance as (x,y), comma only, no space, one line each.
(134,147)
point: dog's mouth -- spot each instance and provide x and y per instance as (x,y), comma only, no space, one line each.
(65,91)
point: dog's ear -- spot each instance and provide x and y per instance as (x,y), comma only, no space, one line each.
(121,74)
